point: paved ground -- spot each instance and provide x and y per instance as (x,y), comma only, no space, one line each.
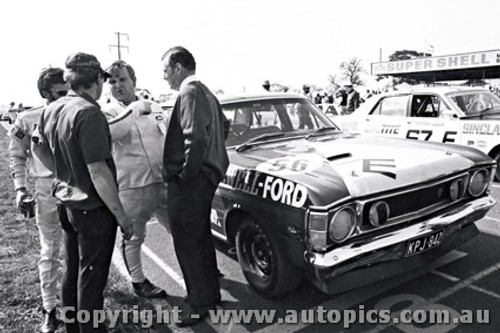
(465,279)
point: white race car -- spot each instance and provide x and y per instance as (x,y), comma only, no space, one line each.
(465,116)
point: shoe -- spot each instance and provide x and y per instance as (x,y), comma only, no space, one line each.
(194,315)
(50,322)
(148,290)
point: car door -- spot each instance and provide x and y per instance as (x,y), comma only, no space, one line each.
(388,117)
(429,120)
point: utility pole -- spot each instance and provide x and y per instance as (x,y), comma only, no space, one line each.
(118,45)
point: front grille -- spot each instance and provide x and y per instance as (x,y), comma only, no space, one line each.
(415,202)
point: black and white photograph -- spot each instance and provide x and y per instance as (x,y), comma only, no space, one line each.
(250,166)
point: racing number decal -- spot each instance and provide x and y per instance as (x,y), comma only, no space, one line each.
(415,134)
(449,136)
(280,164)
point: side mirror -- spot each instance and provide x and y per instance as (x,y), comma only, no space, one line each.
(449,114)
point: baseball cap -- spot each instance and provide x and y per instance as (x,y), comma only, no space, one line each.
(82,61)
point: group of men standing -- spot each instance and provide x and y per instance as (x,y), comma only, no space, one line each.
(97,169)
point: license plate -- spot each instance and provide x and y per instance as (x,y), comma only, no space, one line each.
(421,244)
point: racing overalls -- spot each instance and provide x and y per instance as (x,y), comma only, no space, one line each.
(23,159)
(138,141)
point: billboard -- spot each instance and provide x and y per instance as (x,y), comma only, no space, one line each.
(440,63)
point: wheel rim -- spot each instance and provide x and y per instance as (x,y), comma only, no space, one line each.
(258,255)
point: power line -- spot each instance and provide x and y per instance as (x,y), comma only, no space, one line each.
(118,45)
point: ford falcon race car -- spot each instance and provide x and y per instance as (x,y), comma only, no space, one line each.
(301,198)
(466,116)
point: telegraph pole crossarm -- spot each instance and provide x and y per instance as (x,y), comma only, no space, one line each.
(118,45)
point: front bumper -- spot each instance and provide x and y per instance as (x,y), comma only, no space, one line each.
(383,256)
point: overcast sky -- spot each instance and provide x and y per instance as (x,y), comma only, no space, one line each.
(236,43)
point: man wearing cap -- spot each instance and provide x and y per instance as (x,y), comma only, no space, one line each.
(24,159)
(352,98)
(77,135)
(194,162)
(138,137)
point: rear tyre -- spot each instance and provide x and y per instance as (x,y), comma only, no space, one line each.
(265,268)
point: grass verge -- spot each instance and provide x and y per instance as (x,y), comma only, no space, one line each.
(20,299)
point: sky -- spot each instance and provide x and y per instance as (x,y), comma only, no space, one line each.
(237,44)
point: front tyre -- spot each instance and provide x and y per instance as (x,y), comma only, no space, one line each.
(263,265)
(497,159)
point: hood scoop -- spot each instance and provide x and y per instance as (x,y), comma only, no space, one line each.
(339,157)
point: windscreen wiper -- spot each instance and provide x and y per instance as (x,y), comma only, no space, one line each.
(321,130)
(255,140)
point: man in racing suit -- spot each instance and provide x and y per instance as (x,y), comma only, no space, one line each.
(138,137)
(25,156)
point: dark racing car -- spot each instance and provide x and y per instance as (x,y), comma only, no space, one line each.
(301,198)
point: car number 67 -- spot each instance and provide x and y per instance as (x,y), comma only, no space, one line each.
(449,136)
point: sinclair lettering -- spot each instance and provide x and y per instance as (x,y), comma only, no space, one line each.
(481,129)
(465,60)
(273,188)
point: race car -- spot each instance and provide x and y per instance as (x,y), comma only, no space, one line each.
(459,115)
(303,199)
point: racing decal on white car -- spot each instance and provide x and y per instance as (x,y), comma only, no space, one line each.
(426,135)
(268,187)
(384,129)
(481,129)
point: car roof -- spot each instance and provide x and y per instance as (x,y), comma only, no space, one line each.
(227,99)
(438,89)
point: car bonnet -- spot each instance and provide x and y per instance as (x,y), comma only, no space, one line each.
(330,170)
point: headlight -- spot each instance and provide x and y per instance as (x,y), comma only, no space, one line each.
(479,182)
(379,213)
(342,224)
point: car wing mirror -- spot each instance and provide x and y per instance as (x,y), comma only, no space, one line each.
(449,114)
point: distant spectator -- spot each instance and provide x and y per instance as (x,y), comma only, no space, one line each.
(325,99)
(353,99)
(266,85)
(306,89)
(318,98)
(341,98)
(285,89)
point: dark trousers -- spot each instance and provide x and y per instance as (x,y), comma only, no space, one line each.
(89,238)
(189,205)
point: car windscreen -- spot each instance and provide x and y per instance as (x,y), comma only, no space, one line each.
(476,102)
(253,118)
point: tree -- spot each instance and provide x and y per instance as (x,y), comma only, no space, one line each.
(351,70)
(408,54)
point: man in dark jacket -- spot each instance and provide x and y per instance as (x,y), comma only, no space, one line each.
(195,161)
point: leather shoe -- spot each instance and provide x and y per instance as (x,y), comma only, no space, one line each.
(50,322)
(194,315)
(148,290)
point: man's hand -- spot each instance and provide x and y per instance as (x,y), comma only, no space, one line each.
(142,106)
(22,193)
(127,227)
